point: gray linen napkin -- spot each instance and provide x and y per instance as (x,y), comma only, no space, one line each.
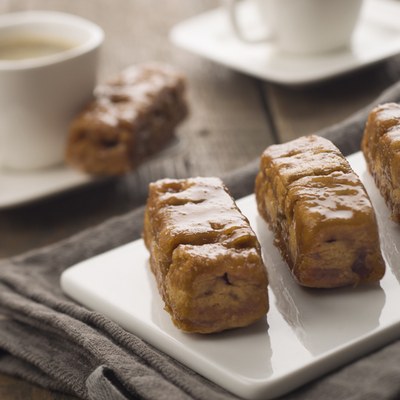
(48,339)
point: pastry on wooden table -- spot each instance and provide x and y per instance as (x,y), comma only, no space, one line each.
(321,216)
(132,117)
(381,148)
(205,257)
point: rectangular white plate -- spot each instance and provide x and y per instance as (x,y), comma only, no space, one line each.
(209,35)
(306,333)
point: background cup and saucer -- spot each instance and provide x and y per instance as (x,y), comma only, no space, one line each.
(250,37)
(302,27)
(48,70)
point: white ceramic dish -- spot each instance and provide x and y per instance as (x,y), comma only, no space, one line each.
(376,38)
(21,187)
(306,333)
(39,96)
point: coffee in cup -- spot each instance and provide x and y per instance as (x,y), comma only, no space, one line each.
(48,64)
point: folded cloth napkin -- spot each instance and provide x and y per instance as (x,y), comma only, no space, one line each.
(50,340)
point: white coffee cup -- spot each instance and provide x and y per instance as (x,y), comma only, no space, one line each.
(40,94)
(302,26)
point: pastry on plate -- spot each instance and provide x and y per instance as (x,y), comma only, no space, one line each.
(132,117)
(321,216)
(381,148)
(205,257)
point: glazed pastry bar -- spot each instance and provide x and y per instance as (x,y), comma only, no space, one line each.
(132,117)
(381,148)
(322,219)
(204,255)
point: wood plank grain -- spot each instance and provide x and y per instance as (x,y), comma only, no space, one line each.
(301,111)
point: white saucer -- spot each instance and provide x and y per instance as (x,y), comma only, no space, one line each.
(377,37)
(21,187)
(306,333)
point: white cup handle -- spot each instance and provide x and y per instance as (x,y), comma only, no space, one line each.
(231,6)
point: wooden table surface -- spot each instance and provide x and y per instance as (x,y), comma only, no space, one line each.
(233,118)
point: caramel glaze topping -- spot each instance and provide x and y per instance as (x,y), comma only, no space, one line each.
(205,257)
(130,118)
(330,197)
(381,148)
(317,206)
(381,121)
(198,211)
(122,101)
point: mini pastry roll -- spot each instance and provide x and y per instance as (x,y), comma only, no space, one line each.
(204,255)
(132,117)
(322,219)
(381,148)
